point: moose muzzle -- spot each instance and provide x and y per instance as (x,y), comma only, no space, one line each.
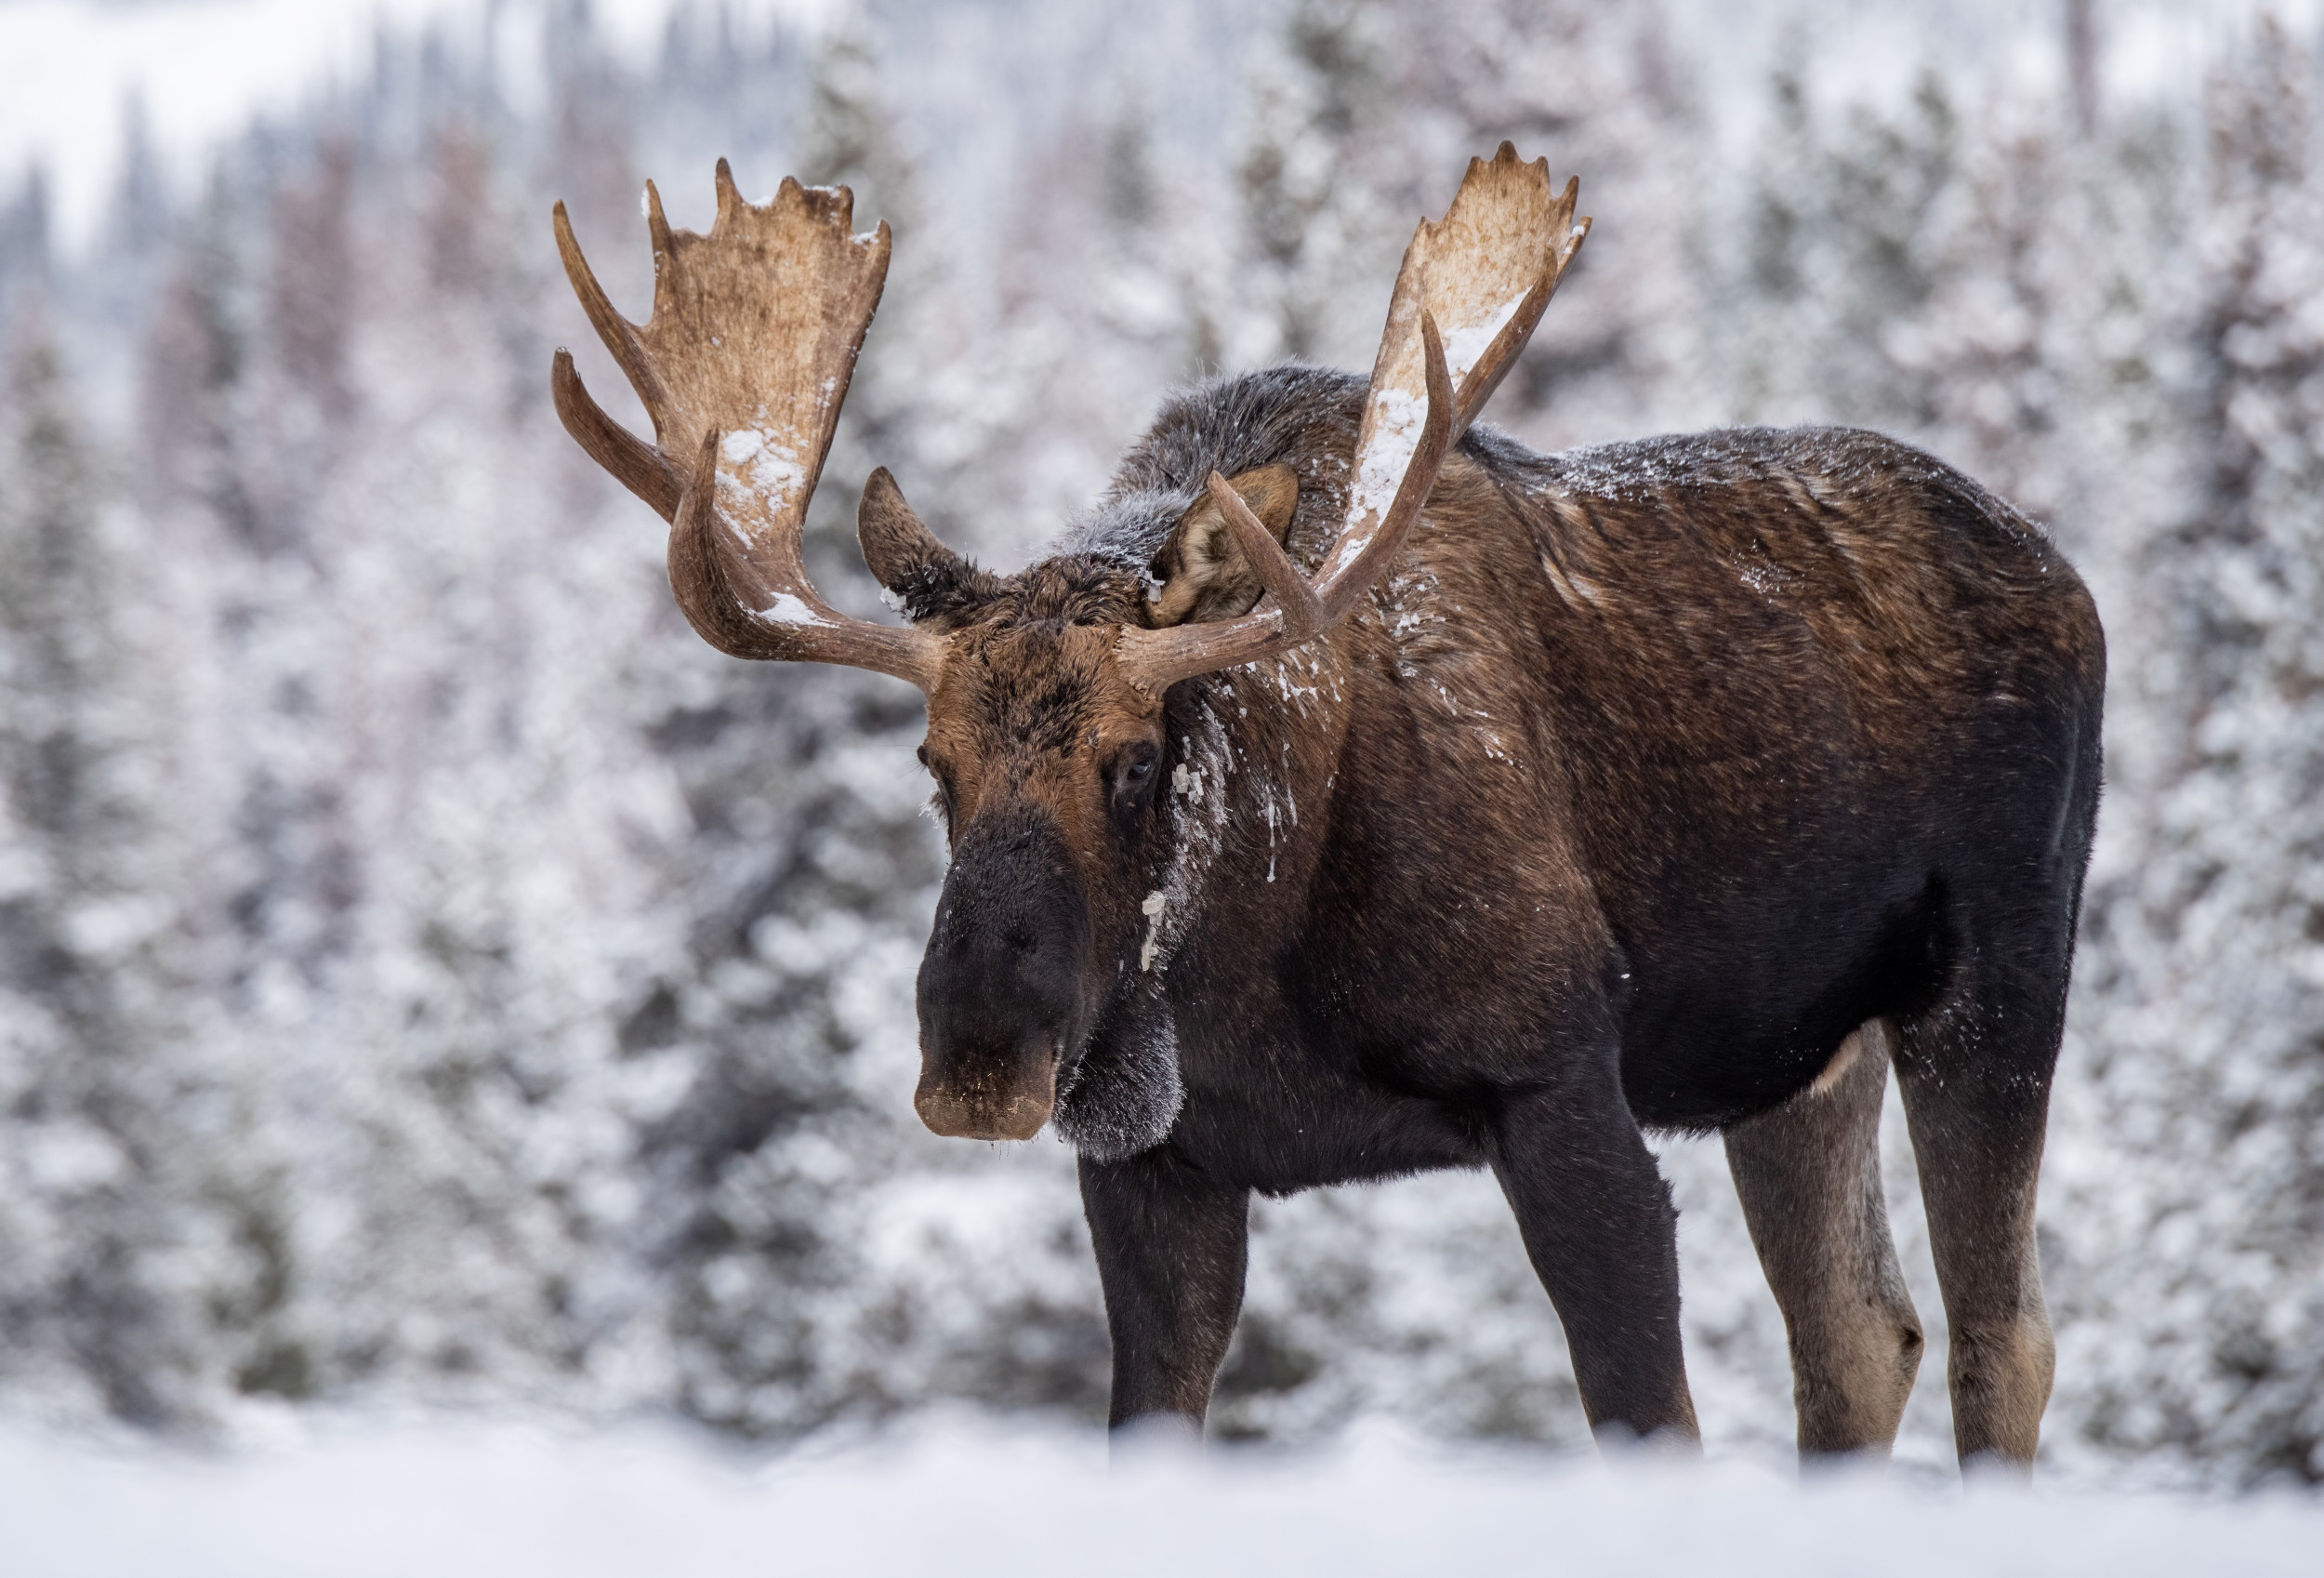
(1001,988)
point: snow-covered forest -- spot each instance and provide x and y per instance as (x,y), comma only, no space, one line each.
(428,972)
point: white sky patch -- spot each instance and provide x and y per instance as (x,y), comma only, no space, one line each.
(204,67)
(67,70)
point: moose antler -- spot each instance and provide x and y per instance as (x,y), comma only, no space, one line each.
(743,367)
(1472,286)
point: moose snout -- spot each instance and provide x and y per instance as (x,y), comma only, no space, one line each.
(1001,988)
(989,1098)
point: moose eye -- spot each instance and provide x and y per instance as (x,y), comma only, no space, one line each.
(1134,773)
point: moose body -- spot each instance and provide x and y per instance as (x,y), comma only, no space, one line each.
(1652,775)
(1684,785)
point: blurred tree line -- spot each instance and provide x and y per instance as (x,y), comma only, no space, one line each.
(425,969)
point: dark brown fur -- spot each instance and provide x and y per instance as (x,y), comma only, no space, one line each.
(1649,776)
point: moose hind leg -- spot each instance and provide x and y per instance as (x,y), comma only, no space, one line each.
(1976,1079)
(1809,1177)
(1598,1225)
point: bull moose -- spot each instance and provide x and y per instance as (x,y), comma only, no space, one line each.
(1355,791)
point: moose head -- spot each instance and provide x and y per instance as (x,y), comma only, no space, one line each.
(1047,689)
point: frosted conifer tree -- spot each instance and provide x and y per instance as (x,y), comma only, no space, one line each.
(1844,231)
(24,241)
(1606,96)
(137,1232)
(2206,1330)
(1317,94)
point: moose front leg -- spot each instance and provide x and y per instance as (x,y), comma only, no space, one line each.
(1172,1247)
(1599,1228)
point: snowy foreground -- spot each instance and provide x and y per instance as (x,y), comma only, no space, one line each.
(399,1499)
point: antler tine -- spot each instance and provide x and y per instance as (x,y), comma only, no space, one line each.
(657,223)
(731,196)
(634,463)
(698,570)
(618,333)
(1488,269)
(743,367)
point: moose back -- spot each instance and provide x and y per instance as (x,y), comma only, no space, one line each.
(1355,791)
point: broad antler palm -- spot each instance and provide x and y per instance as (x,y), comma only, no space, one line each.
(743,367)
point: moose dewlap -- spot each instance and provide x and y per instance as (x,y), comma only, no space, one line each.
(1686,784)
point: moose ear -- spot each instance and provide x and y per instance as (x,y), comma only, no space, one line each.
(1199,573)
(924,580)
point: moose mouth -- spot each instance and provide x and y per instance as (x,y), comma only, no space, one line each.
(1096,1096)
(1012,1106)
(996,1081)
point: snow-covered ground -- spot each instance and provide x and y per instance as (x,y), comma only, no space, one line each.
(362,1497)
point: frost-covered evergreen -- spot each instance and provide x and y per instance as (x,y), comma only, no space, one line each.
(135,1248)
(2204,1333)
